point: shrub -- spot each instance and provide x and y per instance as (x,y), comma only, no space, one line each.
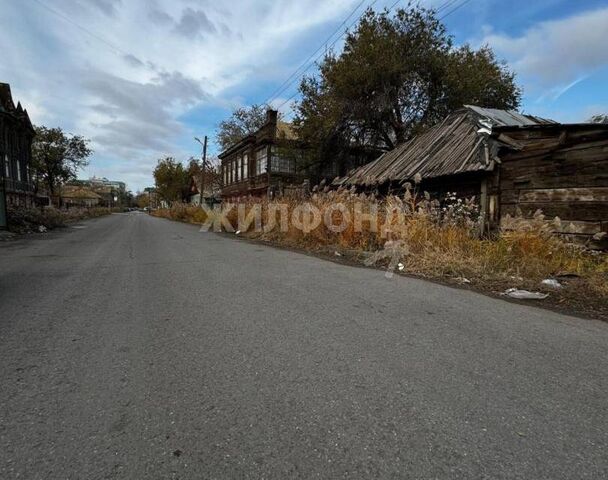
(24,220)
(431,239)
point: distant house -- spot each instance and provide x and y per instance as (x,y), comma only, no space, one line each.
(110,192)
(510,162)
(210,187)
(263,163)
(77,196)
(16,135)
(154,200)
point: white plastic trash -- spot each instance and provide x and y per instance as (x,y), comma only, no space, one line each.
(551,282)
(525,294)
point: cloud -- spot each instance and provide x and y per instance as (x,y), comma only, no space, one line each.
(140,78)
(554,54)
(139,115)
(160,17)
(133,60)
(194,23)
(555,93)
(109,7)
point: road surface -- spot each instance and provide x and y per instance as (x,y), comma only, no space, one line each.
(134,347)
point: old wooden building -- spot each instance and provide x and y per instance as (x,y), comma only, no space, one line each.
(512,163)
(79,196)
(263,163)
(16,135)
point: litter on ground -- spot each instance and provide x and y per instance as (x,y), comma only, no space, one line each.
(551,282)
(524,294)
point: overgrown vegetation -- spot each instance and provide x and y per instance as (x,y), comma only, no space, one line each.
(397,75)
(182,212)
(25,220)
(172,179)
(57,157)
(243,121)
(432,240)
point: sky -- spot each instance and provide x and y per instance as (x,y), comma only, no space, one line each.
(142,78)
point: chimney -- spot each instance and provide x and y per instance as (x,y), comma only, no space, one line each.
(271,116)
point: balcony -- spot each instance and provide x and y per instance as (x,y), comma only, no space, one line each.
(13,185)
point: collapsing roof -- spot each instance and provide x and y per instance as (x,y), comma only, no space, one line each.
(458,144)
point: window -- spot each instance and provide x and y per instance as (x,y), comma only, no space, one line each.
(238,167)
(245,165)
(18,170)
(7,170)
(232,171)
(281,162)
(261,161)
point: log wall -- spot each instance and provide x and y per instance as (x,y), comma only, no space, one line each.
(563,174)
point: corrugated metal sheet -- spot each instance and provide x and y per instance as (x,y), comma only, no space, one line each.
(507,118)
(453,146)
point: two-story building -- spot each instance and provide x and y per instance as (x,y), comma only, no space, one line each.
(263,163)
(16,135)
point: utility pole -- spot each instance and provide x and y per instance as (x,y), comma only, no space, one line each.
(204,163)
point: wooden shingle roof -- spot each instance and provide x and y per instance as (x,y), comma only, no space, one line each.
(455,145)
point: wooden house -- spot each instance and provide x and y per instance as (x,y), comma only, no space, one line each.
(263,163)
(512,163)
(209,185)
(78,196)
(16,135)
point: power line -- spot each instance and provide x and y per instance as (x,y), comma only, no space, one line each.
(278,89)
(332,44)
(326,45)
(115,48)
(454,9)
(443,6)
(319,56)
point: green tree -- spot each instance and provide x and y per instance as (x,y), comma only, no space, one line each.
(242,122)
(396,76)
(171,179)
(57,157)
(142,199)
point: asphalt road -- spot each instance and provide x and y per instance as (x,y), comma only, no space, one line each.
(133,347)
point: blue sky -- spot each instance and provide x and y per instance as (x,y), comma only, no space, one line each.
(141,78)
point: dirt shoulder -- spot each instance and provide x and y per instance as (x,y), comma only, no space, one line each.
(572,298)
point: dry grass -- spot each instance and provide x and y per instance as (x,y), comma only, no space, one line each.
(182,213)
(24,220)
(434,241)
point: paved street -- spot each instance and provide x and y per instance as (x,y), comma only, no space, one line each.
(134,347)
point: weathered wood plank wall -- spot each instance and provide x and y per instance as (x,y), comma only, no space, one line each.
(569,180)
